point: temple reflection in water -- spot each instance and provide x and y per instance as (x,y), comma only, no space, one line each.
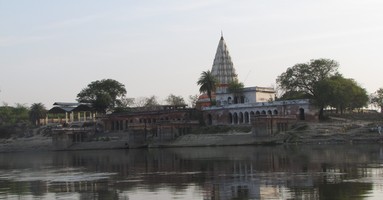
(275,172)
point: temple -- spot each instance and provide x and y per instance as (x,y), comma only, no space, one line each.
(243,106)
(223,68)
(155,126)
(224,72)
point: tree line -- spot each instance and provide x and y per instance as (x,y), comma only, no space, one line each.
(110,95)
(318,80)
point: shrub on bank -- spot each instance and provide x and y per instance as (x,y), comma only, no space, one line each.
(6,132)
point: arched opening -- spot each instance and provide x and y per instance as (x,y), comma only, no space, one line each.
(257,113)
(263,112)
(209,119)
(235,118)
(247,118)
(275,112)
(240,117)
(269,112)
(252,115)
(230,118)
(301,114)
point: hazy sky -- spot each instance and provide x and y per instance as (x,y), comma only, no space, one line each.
(50,50)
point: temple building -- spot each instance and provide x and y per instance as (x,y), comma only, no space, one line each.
(224,72)
(239,107)
(223,68)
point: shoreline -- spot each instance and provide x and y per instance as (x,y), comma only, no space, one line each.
(343,132)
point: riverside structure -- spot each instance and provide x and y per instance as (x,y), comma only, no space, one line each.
(241,107)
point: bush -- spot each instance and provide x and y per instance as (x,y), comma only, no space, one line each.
(6,132)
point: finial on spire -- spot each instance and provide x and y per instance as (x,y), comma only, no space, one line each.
(221,34)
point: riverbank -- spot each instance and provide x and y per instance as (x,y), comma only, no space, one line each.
(334,131)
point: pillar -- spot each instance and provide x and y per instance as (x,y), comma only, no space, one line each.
(71,116)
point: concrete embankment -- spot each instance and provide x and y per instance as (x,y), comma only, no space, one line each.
(305,133)
(222,139)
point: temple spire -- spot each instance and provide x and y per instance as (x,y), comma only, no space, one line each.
(223,68)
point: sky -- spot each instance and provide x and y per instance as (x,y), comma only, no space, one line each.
(51,50)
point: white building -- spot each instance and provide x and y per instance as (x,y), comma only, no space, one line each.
(240,107)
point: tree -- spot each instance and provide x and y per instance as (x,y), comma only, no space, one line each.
(235,87)
(145,101)
(175,100)
(341,93)
(36,112)
(193,100)
(207,83)
(151,101)
(103,94)
(10,116)
(290,95)
(377,99)
(303,78)
(127,102)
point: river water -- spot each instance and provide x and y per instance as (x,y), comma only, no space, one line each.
(247,172)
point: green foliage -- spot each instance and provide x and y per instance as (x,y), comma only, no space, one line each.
(304,76)
(235,87)
(303,79)
(13,115)
(104,94)
(102,102)
(207,83)
(290,95)
(377,98)
(151,101)
(36,112)
(175,100)
(193,100)
(341,93)
(12,119)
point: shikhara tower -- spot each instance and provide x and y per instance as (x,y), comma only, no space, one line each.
(223,68)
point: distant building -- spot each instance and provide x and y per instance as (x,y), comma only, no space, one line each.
(68,112)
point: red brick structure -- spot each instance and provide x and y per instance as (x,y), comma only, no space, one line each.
(154,124)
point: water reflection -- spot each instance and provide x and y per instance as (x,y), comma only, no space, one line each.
(272,172)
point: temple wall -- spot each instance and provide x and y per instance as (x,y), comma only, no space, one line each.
(243,114)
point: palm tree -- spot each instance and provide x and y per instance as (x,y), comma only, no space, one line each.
(207,82)
(36,112)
